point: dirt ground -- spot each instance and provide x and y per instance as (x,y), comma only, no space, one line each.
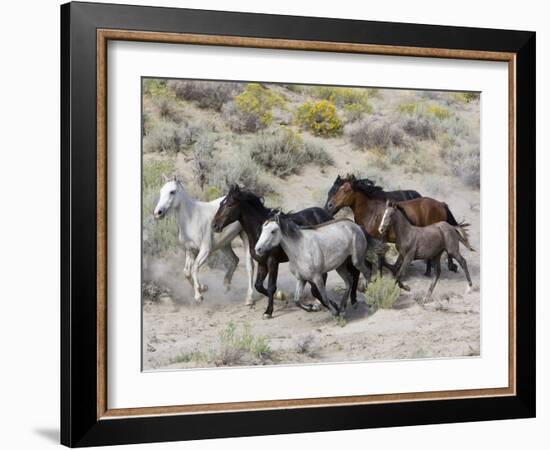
(177,333)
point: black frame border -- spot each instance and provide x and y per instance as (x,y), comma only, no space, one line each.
(79,423)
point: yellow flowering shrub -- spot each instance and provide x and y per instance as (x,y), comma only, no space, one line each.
(259,101)
(321,118)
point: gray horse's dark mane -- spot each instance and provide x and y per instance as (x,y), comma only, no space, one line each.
(286,224)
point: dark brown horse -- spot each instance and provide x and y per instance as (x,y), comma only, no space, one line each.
(368,209)
(249,210)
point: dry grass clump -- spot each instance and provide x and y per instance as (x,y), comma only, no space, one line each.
(205,94)
(169,137)
(284,152)
(382,293)
(375,132)
(239,347)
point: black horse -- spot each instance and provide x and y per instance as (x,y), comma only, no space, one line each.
(249,210)
(375,191)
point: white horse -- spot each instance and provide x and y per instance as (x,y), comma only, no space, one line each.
(315,250)
(194,220)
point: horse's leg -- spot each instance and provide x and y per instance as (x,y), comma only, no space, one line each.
(199,261)
(318,303)
(273,270)
(249,269)
(428,272)
(233,263)
(464,266)
(437,263)
(190,256)
(260,277)
(407,258)
(298,294)
(320,284)
(450,264)
(346,275)
(354,282)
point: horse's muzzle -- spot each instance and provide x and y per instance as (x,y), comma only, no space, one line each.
(158,214)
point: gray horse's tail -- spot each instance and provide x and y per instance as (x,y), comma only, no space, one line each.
(463,235)
(450,218)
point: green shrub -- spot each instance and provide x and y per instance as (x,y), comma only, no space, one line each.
(321,118)
(382,293)
(464,162)
(419,126)
(236,346)
(241,170)
(159,236)
(438,111)
(154,87)
(284,152)
(464,97)
(407,108)
(166,108)
(205,94)
(241,121)
(203,151)
(168,137)
(343,96)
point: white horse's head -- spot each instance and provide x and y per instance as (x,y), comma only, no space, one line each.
(270,237)
(168,198)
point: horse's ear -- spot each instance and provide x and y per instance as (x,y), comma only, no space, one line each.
(236,188)
(338,178)
(165,178)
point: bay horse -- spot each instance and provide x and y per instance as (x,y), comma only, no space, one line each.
(194,221)
(315,250)
(427,242)
(249,211)
(368,208)
(377,192)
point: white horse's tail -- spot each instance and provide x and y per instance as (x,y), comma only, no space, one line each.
(463,235)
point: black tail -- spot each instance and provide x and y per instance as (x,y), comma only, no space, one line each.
(450,218)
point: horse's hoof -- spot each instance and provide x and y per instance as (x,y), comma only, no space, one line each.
(227,286)
(355,305)
(199,298)
(427,274)
(315,307)
(405,287)
(468,290)
(267,316)
(249,302)
(203,287)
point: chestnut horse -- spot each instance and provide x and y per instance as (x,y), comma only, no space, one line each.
(368,209)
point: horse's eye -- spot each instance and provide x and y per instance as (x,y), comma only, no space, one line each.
(172,192)
(272,231)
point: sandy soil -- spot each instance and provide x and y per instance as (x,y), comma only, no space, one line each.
(178,333)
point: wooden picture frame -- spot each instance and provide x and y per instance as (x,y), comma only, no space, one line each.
(85,417)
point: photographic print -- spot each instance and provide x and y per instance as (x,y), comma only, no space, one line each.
(302,224)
